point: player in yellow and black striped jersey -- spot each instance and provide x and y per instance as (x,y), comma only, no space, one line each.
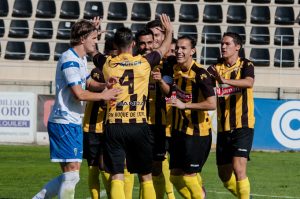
(234,78)
(191,126)
(156,111)
(127,133)
(93,128)
(235,104)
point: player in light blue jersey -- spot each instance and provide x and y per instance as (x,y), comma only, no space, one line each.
(65,122)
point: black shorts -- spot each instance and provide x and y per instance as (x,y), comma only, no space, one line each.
(131,141)
(92,147)
(159,147)
(189,152)
(236,143)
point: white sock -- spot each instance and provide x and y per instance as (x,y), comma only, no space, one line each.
(50,190)
(67,188)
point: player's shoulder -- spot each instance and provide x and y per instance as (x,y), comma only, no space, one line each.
(68,55)
(198,68)
(246,62)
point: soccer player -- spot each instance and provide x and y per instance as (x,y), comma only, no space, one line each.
(191,126)
(158,32)
(127,133)
(64,125)
(144,41)
(93,127)
(234,78)
(157,116)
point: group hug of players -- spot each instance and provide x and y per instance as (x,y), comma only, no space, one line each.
(166,96)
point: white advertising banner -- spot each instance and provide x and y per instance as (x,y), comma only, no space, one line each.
(17,117)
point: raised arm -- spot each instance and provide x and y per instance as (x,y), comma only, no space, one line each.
(165,46)
(97,24)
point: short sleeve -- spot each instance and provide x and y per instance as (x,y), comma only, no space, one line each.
(97,75)
(153,58)
(212,74)
(99,60)
(204,82)
(248,70)
(71,73)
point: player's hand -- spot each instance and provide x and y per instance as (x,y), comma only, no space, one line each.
(97,23)
(218,77)
(156,75)
(177,103)
(112,81)
(111,94)
(166,22)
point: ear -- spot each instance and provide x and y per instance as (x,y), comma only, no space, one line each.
(238,47)
(133,44)
(193,51)
(82,40)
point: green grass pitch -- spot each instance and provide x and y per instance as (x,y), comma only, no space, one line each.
(25,169)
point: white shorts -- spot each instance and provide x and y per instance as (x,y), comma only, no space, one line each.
(66,142)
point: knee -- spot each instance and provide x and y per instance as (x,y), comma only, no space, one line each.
(240,173)
(224,175)
(72,177)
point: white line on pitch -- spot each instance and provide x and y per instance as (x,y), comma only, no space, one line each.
(256,195)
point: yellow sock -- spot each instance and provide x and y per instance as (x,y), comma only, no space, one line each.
(93,181)
(243,189)
(199,178)
(231,184)
(117,189)
(179,184)
(128,184)
(148,191)
(106,182)
(200,181)
(159,185)
(191,182)
(168,184)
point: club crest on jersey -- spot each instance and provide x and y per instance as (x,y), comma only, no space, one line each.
(203,76)
(96,76)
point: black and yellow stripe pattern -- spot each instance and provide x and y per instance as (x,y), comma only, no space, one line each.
(192,86)
(156,104)
(95,112)
(133,73)
(235,110)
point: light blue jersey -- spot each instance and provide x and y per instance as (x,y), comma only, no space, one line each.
(71,70)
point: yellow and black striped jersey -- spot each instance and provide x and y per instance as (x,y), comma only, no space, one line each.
(192,86)
(168,120)
(156,112)
(235,105)
(156,103)
(94,115)
(133,73)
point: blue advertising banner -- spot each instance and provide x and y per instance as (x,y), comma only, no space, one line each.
(277,124)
